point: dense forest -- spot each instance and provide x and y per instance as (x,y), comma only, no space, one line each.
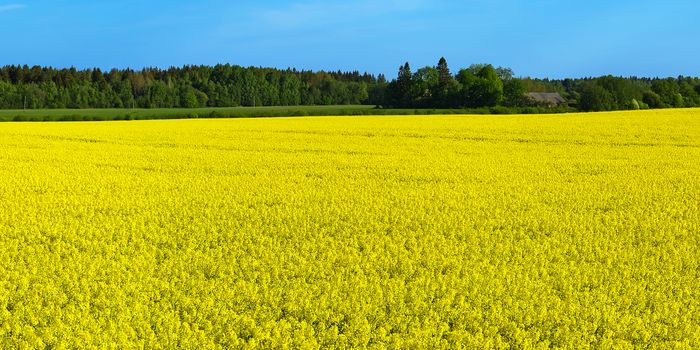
(481,85)
(187,87)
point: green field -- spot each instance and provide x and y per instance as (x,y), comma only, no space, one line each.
(240,112)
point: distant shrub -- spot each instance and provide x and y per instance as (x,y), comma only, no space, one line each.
(72,118)
(634,104)
(501,110)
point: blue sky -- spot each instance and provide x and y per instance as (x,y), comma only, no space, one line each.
(541,38)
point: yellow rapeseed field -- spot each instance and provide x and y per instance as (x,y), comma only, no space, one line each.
(571,231)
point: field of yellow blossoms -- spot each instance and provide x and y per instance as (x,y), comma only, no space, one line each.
(575,231)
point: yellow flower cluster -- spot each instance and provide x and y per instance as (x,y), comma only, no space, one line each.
(571,231)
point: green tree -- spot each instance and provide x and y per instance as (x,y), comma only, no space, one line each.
(667,89)
(484,89)
(653,99)
(426,82)
(188,97)
(403,92)
(596,98)
(514,93)
(447,87)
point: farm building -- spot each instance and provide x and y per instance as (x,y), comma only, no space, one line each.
(550,99)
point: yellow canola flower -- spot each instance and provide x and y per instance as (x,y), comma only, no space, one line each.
(576,231)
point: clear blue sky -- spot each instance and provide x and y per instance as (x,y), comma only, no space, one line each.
(541,38)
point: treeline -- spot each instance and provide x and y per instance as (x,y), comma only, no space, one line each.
(487,86)
(23,87)
(436,87)
(433,87)
(610,93)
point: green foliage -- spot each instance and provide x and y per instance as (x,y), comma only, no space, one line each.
(22,87)
(477,87)
(667,90)
(406,90)
(635,104)
(483,89)
(595,97)
(447,89)
(653,100)
(514,93)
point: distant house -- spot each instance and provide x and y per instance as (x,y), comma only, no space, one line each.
(549,99)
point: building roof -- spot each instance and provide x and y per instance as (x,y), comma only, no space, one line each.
(547,97)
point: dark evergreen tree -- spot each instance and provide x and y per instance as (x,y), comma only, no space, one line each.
(444,75)
(447,87)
